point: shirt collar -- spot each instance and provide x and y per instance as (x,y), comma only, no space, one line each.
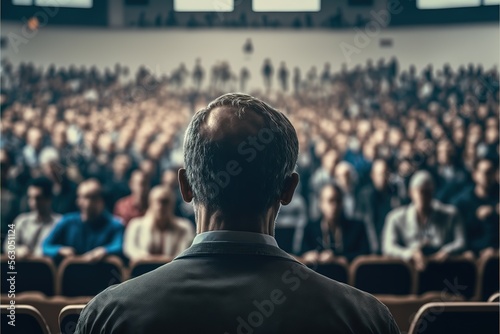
(235,236)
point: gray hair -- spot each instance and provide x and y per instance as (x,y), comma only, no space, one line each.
(420,179)
(220,174)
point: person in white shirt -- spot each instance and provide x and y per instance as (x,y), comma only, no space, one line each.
(158,233)
(32,228)
(424,229)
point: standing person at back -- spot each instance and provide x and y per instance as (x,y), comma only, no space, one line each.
(240,155)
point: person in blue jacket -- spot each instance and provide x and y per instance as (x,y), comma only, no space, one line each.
(92,233)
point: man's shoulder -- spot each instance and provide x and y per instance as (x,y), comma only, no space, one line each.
(25,216)
(70,218)
(331,303)
(116,222)
(124,201)
(56,217)
(445,209)
(463,196)
(397,213)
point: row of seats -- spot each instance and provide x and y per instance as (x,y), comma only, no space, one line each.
(423,317)
(474,280)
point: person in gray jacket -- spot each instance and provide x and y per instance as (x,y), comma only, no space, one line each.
(240,155)
(424,229)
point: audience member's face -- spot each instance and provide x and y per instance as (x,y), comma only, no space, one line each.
(148,167)
(35,138)
(330,161)
(406,149)
(169,179)
(121,164)
(475,134)
(90,139)
(4,164)
(139,184)
(161,203)
(36,201)
(444,153)
(343,176)
(405,168)
(395,137)
(492,122)
(106,144)
(330,203)
(59,138)
(52,170)
(491,135)
(369,151)
(90,200)
(484,174)
(422,196)
(155,151)
(380,174)
(437,132)
(320,148)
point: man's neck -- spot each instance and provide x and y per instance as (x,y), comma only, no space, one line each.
(214,221)
(423,214)
(331,223)
(139,201)
(92,220)
(43,216)
(163,223)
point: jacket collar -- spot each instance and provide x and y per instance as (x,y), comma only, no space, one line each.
(209,248)
(235,236)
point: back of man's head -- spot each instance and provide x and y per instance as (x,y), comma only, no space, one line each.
(238,152)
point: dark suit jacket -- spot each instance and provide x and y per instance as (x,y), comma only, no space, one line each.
(354,239)
(366,211)
(228,287)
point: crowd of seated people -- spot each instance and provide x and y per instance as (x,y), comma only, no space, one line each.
(391,162)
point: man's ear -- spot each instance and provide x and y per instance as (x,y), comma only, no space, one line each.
(291,183)
(186,191)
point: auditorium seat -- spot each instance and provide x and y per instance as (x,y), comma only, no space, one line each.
(68,318)
(49,307)
(494,298)
(78,277)
(456,275)
(382,275)
(488,281)
(404,308)
(335,270)
(140,267)
(33,274)
(457,318)
(27,320)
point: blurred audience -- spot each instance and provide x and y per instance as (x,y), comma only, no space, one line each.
(366,128)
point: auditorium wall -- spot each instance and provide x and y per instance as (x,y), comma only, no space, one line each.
(162,51)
